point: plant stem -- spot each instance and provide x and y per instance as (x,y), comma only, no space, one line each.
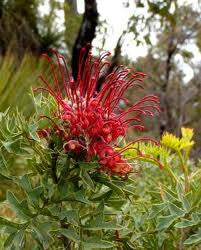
(185,171)
(54,163)
(66,241)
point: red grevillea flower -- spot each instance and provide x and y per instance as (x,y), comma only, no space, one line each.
(92,121)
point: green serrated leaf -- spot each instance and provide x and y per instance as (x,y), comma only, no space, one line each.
(16,147)
(196,217)
(175,210)
(92,243)
(183,198)
(156,209)
(184,223)
(18,207)
(116,203)
(32,129)
(5,222)
(9,240)
(35,194)
(88,165)
(99,224)
(41,231)
(193,239)
(169,196)
(100,208)
(109,183)
(68,233)
(180,190)
(80,196)
(71,216)
(165,221)
(24,182)
(102,196)
(3,164)
(18,240)
(186,204)
(114,187)
(87,179)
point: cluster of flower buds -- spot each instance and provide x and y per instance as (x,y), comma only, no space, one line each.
(91,121)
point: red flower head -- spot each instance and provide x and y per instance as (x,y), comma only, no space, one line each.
(94,120)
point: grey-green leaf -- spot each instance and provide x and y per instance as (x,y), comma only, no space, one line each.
(175,210)
(97,243)
(68,233)
(87,179)
(184,224)
(4,222)
(195,238)
(165,221)
(97,225)
(18,207)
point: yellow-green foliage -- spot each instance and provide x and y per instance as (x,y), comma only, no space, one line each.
(174,143)
(16,79)
(169,147)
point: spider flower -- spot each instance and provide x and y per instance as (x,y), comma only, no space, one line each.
(91,121)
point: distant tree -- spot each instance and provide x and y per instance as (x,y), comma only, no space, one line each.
(18,26)
(174,24)
(72,21)
(86,32)
(1,7)
(49,35)
(22,29)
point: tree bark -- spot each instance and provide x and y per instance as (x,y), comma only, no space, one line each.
(86,33)
(169,126)
(1,7)
(115,61)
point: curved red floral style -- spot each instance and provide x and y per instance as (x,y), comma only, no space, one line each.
(92,121)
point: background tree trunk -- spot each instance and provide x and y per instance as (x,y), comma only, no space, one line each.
(115,61)
(1,7)
(73,5)
(86,33)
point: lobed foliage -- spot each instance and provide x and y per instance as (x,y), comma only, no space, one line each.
(54,202)
(51,201)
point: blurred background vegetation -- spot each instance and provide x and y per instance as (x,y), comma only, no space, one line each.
(170,31)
